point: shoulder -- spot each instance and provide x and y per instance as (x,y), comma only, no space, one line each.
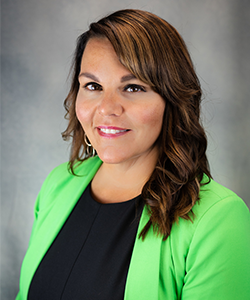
(219,216)
(81,168)
(61,180)
(220,209)
(62,172)
(215,198)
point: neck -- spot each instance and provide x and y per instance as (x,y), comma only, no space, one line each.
(123,181)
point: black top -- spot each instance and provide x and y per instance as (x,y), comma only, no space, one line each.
(89,259)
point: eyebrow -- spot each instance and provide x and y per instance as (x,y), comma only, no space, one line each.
(90,76)
(127,77)
(93,77)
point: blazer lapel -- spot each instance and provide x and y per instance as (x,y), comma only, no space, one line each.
(53,217)
(143,276)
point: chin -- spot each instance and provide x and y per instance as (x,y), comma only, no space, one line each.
(111,158)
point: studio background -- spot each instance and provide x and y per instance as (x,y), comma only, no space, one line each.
(37,43)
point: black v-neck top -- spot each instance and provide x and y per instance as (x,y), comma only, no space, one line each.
(90,257)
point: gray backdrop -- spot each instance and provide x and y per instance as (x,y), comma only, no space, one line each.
(38,39)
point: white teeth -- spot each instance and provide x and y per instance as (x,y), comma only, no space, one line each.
(111,131)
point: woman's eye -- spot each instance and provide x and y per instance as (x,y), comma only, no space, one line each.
(92,86)
(134,88)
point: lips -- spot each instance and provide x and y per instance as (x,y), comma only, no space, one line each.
(110,131)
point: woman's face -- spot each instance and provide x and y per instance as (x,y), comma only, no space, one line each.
(121,115)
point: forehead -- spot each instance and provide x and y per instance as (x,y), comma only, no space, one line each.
(99,47)
(100,56)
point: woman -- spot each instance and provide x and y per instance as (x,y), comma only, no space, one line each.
(135,213)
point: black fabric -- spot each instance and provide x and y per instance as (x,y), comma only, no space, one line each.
(90,257)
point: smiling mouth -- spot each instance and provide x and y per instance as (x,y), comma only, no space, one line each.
(112,131)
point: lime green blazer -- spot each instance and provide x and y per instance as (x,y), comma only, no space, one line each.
(207,259)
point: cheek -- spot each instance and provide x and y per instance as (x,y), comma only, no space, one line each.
(83,112)
(152,116)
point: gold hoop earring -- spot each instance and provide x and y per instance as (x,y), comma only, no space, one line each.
(89,146)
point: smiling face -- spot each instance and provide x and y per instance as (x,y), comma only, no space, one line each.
(121,115)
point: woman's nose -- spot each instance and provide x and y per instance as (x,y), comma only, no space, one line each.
(110,105)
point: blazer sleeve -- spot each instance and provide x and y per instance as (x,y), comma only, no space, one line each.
(44,190)
(36,209)
(218,260)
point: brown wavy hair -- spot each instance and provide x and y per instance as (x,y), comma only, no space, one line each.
(153,51)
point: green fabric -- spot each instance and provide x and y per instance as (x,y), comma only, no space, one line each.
(206,259)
